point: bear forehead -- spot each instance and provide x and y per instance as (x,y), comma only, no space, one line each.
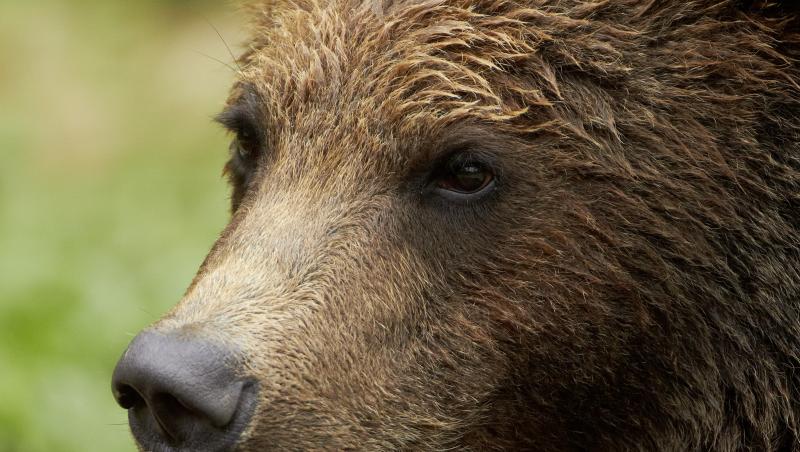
(434,61)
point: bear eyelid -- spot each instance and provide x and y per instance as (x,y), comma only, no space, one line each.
(244,115)
(239,120)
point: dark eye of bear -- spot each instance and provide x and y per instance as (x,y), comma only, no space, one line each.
(245,150)
(463,175)
(246,145)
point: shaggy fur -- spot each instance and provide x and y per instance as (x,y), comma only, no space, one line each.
(633,283)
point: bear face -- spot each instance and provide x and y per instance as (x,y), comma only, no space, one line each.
(546,225)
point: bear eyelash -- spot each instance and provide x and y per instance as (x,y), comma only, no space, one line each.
(239,121)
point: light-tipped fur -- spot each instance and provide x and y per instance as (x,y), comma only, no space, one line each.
(632,284)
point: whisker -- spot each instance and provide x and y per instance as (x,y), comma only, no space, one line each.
(231,68)
(224,42)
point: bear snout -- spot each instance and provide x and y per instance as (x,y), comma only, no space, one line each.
(183,392)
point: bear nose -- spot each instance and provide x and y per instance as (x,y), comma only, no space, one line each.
(182,390)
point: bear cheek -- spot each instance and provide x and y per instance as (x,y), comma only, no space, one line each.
(343,323)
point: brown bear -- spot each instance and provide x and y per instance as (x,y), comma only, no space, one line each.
(496,225)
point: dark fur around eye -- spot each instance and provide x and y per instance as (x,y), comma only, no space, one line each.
(242,122)
(244,119)
(239,176)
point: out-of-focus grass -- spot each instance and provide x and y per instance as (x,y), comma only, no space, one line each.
(110,195)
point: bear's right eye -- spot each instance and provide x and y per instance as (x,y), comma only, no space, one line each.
(242,120)
(245,150)
(246,145)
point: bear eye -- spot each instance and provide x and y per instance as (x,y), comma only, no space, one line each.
(464,175)
(240,119)
(246,144)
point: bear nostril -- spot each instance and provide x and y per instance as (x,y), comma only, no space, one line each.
(127,397)
(182,391)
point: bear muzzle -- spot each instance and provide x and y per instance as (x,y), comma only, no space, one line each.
(183,392)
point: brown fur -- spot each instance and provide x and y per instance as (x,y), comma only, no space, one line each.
(632,284)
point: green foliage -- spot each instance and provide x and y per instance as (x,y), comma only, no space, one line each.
(110,196)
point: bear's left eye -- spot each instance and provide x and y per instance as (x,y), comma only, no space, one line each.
(463,176)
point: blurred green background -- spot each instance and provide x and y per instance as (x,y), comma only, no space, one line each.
(110,195)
